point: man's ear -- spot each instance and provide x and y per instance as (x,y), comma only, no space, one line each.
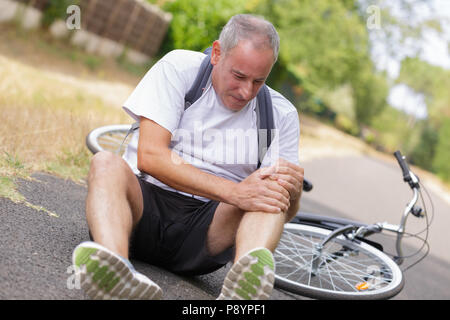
(215,53)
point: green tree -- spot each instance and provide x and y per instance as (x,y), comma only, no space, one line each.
(423,152)
(321,40)
(325,45)
(431,81)
(196,24)
(441,161)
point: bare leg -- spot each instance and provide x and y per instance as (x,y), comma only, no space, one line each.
(114,206)
(246,230)
(223,228)
(258,230)
(114,202)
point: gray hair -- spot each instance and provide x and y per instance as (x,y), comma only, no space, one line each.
(249,27)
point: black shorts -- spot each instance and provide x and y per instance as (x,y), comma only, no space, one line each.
(172,232)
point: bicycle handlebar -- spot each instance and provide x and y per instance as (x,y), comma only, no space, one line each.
(405,169)
(413,183)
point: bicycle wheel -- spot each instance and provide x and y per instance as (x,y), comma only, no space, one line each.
(108,138)
(343,269)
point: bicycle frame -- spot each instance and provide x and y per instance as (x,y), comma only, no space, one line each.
(400,229)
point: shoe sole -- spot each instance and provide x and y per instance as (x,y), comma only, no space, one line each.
(103,275)
(250,278)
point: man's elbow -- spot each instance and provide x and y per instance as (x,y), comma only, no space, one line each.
(141,165)
(147,160)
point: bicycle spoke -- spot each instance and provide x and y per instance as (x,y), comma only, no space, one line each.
(293,260)
(341,277)
(349,270)
(296,245)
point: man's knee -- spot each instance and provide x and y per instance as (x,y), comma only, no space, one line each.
(110,172)
(104,163)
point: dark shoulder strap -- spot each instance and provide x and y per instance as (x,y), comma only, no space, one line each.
(264,111)
(200,81)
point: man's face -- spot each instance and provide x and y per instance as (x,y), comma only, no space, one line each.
(238,75)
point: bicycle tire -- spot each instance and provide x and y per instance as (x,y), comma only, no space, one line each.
(346,269)
(108,138)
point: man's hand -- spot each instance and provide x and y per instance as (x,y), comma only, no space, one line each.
(256,193)
(288,175)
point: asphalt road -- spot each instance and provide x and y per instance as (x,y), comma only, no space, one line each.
(36,248)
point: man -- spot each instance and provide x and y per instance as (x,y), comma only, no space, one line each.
(189,196)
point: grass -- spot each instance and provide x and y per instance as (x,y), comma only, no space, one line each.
(8,189)
(45,121)
(11,168)
(51,96)
(44,125)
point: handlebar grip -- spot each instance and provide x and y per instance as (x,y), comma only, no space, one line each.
(405,169)
(307,186)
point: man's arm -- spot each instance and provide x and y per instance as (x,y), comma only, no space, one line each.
(156,158)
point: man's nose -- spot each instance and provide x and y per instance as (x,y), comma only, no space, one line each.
(247,90)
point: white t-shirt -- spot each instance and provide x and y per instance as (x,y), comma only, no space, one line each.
(208,135)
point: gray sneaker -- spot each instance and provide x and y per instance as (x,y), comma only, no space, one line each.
(106,275)
(251,278)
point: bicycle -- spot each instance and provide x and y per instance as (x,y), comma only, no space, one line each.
(323,257)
